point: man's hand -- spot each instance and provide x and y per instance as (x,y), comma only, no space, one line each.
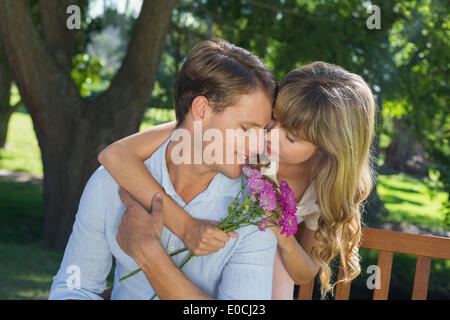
(203,237)
(140,230)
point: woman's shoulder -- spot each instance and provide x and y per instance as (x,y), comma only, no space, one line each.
(308,207)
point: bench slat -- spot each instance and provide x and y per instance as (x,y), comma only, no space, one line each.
(342,289)
(387,242)
(385,265)
(421,278)
(415,244)
(305,291)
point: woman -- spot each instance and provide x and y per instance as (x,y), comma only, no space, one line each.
(326,117)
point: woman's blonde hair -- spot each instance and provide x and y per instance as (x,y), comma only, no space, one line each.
(335,110)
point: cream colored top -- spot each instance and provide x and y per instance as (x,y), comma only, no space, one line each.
(308,209)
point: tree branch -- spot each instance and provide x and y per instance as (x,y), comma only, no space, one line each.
(137,72)
(31,66)
(59,40)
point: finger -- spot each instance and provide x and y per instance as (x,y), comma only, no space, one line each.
(214,233)
(233,234)
(217,233)
(123,220)
(214,244)
(126,197)
(205,250)
(157,203)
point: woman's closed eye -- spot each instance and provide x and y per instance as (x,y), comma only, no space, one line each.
(289,138)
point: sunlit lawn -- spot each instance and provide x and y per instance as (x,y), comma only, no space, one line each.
(410,200)
(26,270)
(22,151)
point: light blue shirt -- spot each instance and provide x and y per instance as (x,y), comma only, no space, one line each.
(241,270)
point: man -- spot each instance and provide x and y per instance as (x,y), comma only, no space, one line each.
(222,87)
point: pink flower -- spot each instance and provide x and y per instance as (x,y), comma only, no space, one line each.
(263,225)
(268,200)
(256,185)
(249,172)
(263,191)
(288,205)
(288,225)
(287,199)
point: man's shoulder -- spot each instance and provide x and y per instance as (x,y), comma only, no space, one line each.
(252,235)
(101,188)
(102,178)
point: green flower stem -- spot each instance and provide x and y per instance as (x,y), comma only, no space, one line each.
(178,251)
(131,274)
(138,270)
(185,261)
(227,218)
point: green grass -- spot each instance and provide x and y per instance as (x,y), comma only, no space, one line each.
(409,199)
(22,211)
(21,152)
(27,269)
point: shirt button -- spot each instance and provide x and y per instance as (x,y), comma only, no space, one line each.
(171,248)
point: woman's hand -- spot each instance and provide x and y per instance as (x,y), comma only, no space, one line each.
(273,224)
(202,237)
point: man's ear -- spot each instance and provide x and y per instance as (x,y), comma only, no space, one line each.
(200,108)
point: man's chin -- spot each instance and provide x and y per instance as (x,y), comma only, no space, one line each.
(232,171)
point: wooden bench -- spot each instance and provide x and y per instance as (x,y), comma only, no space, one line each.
(387,242)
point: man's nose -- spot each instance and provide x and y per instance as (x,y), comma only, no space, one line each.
(256,145)
(267,137)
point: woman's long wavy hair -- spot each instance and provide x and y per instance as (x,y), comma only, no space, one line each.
(335,110)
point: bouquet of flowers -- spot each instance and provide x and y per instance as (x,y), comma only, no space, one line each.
(265,205)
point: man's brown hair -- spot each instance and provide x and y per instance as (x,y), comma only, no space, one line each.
(221,72)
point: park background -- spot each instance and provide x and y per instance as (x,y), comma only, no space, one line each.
(67,94)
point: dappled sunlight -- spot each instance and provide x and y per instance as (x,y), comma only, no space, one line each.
(408,200)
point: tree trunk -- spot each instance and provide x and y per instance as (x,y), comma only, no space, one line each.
(6,110)
(5,92)
(405,153)
(4,120)
(71,131)
(69,159)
